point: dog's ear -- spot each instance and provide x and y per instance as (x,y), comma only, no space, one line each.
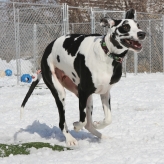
(130,14)
(106,22)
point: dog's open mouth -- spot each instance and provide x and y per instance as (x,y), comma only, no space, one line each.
(129,43)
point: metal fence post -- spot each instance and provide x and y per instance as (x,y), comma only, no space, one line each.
(17,42)
(67,19)
(34,47)
(18,55)
(135,63)
(64,12)
(92,21)
(104,27)
(150,43)
(163,40)
(15,29)
(72,28)
(135,54)
(125,59)
(123,15)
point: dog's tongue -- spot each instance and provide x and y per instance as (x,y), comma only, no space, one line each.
(136,44)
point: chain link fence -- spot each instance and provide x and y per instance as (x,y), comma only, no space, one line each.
(26,30)
(79,20)
(37,25)
(151,58)
(7,41)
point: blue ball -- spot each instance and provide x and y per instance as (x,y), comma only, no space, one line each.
(8,72)
(26,78)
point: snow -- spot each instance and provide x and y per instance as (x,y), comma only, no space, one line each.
(26,66)
(135,136)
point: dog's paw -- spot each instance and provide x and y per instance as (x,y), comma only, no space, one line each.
(100,124)
(104,137)
(78,126)
(71,141)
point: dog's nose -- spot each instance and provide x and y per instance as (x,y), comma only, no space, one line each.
(141,35)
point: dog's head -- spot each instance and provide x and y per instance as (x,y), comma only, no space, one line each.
(124,33)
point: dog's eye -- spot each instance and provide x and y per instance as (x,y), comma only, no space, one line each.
(126,27)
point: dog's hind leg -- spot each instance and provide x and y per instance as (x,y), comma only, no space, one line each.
(66,81)
(57,90)
(105,98)
(89,125)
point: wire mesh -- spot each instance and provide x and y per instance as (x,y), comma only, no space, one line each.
(78,15)
(151,58)
(26,30)
(80,28)
(147,16)
(144,57)
(38,26)
(7,42)
(156,46)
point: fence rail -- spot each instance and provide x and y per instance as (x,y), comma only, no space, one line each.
(27,28)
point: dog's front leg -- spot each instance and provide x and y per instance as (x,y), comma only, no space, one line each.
(83,96)
(89,125)
(105,98)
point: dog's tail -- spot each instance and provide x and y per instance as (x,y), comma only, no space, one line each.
(31,89)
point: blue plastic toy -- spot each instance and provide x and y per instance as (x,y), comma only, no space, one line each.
(8,72)
(26,78)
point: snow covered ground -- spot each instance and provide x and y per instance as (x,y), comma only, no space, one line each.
(136,135)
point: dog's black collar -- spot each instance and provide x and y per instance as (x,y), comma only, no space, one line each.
(111,55)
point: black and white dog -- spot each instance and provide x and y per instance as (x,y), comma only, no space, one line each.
(87,64)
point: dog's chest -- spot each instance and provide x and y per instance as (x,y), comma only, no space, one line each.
(101,75)
(102,83)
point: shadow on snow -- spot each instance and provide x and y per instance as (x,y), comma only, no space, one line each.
(44,131)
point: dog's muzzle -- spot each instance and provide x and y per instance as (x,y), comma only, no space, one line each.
(133,43)
(130,43)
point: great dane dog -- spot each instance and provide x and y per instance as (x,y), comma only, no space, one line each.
(87,64)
